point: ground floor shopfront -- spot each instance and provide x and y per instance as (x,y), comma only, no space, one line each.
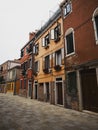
(79,91)
(88,89)
(85,94)
(50,90)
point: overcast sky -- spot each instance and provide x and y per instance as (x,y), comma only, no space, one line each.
(17,19)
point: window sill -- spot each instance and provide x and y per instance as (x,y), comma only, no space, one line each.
(65,16)
(57,39)
(46,47)
(96,42)
(67,55)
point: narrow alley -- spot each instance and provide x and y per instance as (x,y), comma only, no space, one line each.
(18,113)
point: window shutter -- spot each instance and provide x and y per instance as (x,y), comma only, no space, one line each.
(38,66)
(50,57)
(59,29)
(34,49)
(52,34)
(43,42)
(62,51)
(54,59)
(43,63)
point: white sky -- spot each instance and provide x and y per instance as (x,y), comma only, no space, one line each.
(17,19)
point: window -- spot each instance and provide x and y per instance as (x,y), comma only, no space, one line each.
(13,73)
(27,50)
(71,83)
(57,32)
(46,40)
(1,68)
(30,47)
(36,66)
(30,63)
(58,57)
(67,8)
(24,67)
(46,67)
(22,53)
(36,49)
(47,63)
(95,22)
(25,84)
(69,43)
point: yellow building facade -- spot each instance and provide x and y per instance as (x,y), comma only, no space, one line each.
(48,50)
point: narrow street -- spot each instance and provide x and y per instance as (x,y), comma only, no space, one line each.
(19,113)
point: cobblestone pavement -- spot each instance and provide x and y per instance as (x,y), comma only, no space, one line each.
(18,113)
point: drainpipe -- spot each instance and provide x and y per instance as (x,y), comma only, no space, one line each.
(15,80)
(65,74)
(32,72)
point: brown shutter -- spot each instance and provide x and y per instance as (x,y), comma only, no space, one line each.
(50,58)
(43,63)
(62,52)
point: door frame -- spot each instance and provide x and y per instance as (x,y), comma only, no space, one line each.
(45,90)
(56,98)
(34,87)
(29,83)
(96,70)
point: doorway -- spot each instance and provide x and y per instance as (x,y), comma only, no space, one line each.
(89,89)
(59,91)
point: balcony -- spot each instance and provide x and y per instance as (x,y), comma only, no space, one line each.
(57,67)
(35,73)
(57,39)
(46,70)
(47,46)
(23,72)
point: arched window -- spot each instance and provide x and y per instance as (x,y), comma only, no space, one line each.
(95,23)
(69,42)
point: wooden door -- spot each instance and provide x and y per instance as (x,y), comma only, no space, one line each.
(89,90)
(59,93)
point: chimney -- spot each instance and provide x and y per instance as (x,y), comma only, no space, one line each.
(31,35)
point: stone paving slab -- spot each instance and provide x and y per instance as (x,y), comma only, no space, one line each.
(19,113)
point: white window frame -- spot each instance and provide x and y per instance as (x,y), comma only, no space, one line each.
(94,24)
(65,8)
(70,30)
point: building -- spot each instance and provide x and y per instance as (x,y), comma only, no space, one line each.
(26,69)
(48,71)
(80,32)
(6,84)
(13,79)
